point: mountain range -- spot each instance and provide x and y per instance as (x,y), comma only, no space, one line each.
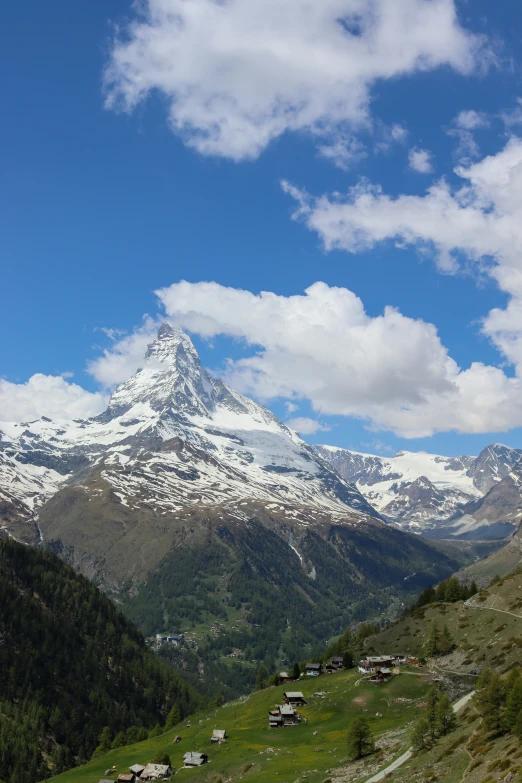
(187,501)
(440,497)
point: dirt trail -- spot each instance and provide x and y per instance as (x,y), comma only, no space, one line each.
(491,609)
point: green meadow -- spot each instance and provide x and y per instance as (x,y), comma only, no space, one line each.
(312,747)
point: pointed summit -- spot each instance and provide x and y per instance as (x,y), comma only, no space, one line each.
(171,378)
(173,348)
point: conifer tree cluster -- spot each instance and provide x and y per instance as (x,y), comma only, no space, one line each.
(447,591)
(499,702)
(439,640)
(75,675)
(440,719)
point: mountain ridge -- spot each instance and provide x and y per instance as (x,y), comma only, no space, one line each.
(428,493)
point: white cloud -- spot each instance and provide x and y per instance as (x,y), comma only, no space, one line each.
(237,74)
(480,222)
(513,117)
(48,395)
(467,149)
(323,347)
(343,152)
(125,355)
(471,120)
(305,426)
(420,160)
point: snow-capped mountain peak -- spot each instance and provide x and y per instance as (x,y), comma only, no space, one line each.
(421,491)
(172,438)
(171,377)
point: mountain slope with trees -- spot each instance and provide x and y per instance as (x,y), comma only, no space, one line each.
(74,671)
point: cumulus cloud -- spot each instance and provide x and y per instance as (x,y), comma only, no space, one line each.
(322,346)
(48,395)
(481,222)
(420,160)
(236,74)
(306,426)
(125,355)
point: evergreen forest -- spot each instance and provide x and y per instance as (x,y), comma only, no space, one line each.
(73,669)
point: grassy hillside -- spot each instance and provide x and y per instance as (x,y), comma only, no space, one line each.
(71,664)
(487,630)
(501,562)
(310,748)
(470,754)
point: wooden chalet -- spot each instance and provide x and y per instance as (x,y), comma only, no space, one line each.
(285,677)
(380,675)
(193,759)
(156,772)
(374,662)
(313,669)
(137,769)
(294,698)
(284,715)
(335,664)
(219,736)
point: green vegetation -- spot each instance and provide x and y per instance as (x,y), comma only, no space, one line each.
(75,674)
(360,738)
(249,579)
(438,642)
(438,721)
(485,634)
(312,747)
(448,591)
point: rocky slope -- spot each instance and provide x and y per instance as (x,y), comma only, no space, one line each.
(426,492)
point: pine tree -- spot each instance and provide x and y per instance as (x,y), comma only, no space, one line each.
(517,728)
(157,731)
(490,700)
(432,646)
(446,719)
(174,717)
(104,743)
(420,737)
(119,740)
(473,589)
(446,642)
(513,703)
(440,592)
(296,671)
(261,678)
(453,591)
(347,659)
(431,711)
(360,740)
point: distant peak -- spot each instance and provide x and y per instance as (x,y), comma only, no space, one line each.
(171,347)
(165,330)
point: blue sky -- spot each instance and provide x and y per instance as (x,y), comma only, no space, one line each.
(104,204)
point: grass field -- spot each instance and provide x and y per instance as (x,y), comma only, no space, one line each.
(310,748)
